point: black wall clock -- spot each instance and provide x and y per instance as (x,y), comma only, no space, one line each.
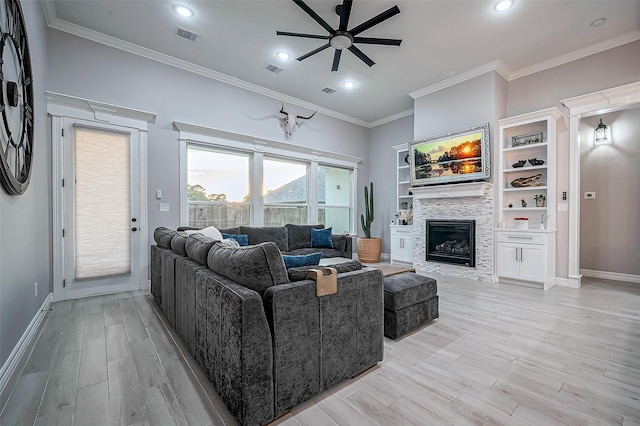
(16,100)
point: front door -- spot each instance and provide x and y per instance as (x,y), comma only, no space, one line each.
(101,209)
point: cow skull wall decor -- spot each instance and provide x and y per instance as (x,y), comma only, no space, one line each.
(290,122)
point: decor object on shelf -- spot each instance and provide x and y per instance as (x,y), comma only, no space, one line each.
(540,199)
(519,163)
(528,181)
(290,122)
(405,217)
(369,249)
(459,156)
(521,223)
(526,139)
(523,202)
(16,136)
(510,205)
(404,205)
(536,162)
(601,134)
(342,38)
(543,219)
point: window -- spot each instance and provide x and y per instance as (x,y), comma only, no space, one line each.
(285,196)
(334,198)
(217,187)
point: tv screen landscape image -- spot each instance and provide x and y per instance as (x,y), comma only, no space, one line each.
(459,156)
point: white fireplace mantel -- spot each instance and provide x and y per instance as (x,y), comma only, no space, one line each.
(473,189)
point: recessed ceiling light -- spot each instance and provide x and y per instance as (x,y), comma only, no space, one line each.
(183,10)
(598,22)
(503,5)
(283,55)
(349,84)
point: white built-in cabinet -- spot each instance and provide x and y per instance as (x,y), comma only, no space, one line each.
(404,197)
(402,235)
(401,243)
(527,254)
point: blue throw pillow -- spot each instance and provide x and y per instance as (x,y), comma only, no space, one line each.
(321,238)
(304,260)
(242,240)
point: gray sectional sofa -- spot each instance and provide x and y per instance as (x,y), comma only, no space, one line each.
(264,339)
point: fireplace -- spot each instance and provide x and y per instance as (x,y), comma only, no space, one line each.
(451,241)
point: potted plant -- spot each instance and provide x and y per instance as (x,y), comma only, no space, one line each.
(540,198)
(369,249)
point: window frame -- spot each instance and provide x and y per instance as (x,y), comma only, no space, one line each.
(259,149)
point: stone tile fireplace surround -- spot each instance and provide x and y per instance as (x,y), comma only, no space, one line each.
(463,201)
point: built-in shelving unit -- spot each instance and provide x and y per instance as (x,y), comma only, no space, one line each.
(527,254)
(403,178)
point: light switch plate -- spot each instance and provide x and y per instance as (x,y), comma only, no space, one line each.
(164,207)
(589,195)
(158,193)
(563,207)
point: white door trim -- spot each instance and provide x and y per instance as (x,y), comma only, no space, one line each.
(62,106)
(601,102)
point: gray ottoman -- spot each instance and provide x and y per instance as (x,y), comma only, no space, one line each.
(410,300)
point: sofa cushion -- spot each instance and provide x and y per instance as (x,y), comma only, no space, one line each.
(198,246)
(321,238)
(302,260)
(257,267)
(242,240)
(210,231)
(163,236)
(406,289)
(300,235)
(178,243)
(235,231)
(274,234)
(300,273)
(326,252)
(340,242)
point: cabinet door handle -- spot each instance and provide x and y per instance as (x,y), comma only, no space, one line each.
(516,254)
(402,242)
(521,255)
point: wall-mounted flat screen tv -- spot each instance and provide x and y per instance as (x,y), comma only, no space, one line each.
(459,156)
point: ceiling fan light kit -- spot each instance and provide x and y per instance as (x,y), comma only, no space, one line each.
(341,38)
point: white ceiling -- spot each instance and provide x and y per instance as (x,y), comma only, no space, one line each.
(442,40)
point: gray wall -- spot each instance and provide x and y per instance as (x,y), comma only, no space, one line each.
(25,223)
(609,229)
(383,173)
(90,70)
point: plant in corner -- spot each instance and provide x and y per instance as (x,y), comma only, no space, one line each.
(369,249)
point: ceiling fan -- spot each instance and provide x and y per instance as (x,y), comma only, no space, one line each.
(341,38)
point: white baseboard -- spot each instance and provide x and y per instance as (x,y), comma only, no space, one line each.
(615,276)
(568,282)
(18,351)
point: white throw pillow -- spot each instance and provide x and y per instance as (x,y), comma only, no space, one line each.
(210,232)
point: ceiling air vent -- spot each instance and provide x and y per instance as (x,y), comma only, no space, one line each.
(329,90)
(273,68)
(184,33)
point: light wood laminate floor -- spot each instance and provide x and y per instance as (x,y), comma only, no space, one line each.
(498,355)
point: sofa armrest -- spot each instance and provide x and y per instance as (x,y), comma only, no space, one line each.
(321,341)
(343,243)
(234,347)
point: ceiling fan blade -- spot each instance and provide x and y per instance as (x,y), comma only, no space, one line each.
(344,14)
(374,40)
(336,60)
(314,15)
(313,52)
(367,60)
(286,33)
(375,20)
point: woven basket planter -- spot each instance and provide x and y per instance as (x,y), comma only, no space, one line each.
(369,250)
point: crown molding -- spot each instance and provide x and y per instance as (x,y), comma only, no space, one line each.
(389,119)
(577,54)
(604,100)
(77,30)
(497,66)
